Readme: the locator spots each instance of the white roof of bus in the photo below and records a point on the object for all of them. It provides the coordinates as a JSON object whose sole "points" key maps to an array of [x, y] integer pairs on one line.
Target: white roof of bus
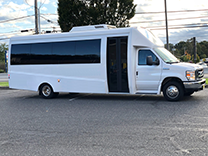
{"points": [[139, 36]]}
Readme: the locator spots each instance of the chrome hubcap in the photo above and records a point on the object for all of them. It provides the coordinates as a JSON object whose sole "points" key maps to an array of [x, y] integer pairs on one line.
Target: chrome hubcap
{"points": [[46, 90], [172, 92]]}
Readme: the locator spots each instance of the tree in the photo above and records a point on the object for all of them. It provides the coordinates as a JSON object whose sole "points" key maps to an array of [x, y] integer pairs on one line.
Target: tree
{"points": [[90, 12], [71, 13], [197, 58], [186, 57], [3, 48], [180, 47], [203, 48]]}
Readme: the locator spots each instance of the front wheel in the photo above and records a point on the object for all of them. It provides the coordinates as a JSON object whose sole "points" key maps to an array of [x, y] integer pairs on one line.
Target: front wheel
{"points": [[46, 91], [173, 91], [189, 93]]}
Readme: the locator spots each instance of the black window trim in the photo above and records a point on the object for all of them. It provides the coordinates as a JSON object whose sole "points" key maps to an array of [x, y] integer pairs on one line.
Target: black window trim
{"points": [[138, 56]]}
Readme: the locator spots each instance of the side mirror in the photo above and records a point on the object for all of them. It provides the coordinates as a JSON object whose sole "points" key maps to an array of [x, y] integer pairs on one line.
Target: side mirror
{"points": [[149, 60], [157, 62]]}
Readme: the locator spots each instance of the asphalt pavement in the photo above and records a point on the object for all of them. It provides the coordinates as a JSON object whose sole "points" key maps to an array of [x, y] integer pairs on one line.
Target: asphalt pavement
{"points": [[3, 77], [94, 124], [102, 125]]}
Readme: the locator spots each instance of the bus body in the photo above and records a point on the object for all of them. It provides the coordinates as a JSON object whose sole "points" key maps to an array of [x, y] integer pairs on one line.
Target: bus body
{"points": [[100, 59]]}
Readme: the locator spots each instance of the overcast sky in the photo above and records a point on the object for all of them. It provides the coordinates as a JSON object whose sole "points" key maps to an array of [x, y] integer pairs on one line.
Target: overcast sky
{"points": [[147, 16]]}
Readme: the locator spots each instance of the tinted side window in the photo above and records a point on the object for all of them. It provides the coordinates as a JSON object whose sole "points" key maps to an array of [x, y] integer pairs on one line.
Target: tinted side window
{"points": [[143, 55], [63, 52], [20, 54], [41, 53], [88, 51]]}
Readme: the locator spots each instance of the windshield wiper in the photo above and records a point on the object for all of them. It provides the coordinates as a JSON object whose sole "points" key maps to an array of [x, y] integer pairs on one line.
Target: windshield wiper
{"points": [[171, 62], [175, 62]]}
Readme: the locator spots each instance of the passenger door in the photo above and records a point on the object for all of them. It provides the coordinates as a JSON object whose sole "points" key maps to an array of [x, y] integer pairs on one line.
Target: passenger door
{"points": [[117, 64], [147, 76]]}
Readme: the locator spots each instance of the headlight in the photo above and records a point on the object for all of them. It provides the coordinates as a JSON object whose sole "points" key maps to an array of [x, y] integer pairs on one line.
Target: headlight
{"points": [[190, 75]]}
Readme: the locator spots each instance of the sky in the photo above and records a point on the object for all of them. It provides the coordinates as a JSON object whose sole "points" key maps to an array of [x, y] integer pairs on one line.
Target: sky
{"points": [[18, 15]]}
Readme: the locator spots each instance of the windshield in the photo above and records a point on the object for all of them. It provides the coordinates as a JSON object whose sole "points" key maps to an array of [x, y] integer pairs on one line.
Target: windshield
{"points": [[166, 55]]}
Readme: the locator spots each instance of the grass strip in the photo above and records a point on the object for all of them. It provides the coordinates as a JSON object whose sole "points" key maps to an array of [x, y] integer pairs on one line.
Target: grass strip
{"points": [[4, 84]]}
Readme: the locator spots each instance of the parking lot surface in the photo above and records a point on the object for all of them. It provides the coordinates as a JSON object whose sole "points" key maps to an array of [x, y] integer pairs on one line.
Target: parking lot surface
{"points": [[95, 124]]}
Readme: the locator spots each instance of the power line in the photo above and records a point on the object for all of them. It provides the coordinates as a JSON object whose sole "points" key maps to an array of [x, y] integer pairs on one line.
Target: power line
{"points": [[14, 19], [28, 3], [9, 32], [175, 19], [41, 4], [159, 12], [49, 20], [180, 27], [48, 14], [199, 24]]}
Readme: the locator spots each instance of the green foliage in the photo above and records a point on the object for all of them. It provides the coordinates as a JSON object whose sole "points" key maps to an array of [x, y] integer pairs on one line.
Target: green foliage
{"points": [[197, 58], [1, 71], [71, 13], [90, 12], [3, 48], [186, 58], [184, 48], [202, 49], [180, 47]]}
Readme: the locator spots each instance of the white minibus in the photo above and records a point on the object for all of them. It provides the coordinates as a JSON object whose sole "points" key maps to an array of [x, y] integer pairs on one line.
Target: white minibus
{"points": [[100, 59]]}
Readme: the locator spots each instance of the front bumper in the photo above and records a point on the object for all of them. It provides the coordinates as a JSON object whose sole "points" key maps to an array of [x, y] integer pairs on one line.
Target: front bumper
{"points": [[196, 85]]}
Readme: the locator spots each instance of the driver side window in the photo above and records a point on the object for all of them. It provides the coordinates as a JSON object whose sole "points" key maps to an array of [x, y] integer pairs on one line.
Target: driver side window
{"points": [[142, 55]]}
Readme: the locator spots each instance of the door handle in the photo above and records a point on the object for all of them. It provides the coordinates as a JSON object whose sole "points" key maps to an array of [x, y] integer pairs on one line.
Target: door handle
{"points": [[137, 73]]}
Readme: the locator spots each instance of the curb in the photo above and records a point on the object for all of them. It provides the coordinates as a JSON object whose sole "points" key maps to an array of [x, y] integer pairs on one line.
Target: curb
{"points": [[4, 88]]}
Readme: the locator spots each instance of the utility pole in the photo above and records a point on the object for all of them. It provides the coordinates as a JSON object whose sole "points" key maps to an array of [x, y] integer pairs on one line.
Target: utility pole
{"points": [[195, 51], [36, 17], [166, 21]]}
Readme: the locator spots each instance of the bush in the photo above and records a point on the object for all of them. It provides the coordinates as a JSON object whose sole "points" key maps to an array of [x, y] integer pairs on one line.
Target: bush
{"points": [[2, 67]]}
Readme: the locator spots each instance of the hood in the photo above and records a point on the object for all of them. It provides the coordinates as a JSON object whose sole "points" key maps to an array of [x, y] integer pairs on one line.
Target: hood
{"points": [[187, 66]]}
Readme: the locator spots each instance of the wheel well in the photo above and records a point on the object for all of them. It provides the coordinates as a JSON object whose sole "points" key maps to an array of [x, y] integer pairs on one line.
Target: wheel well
{"points": [[166, 80], [42, 85]]}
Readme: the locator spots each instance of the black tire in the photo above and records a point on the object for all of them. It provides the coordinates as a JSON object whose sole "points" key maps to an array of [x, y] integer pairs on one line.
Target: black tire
{"points": [[189, 93], [173, 91], [46, 91], [56, 94]]}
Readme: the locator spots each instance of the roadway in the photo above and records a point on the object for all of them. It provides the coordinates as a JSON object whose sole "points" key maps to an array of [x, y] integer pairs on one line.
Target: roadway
{"points": [[3, 77], [94, 124]]}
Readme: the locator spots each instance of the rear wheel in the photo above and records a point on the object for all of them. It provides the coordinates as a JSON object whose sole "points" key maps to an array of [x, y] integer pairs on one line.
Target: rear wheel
{"points": [[46, 91], [173, 91]]}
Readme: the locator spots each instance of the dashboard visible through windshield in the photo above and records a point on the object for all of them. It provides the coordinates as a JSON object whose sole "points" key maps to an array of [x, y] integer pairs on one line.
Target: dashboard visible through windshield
{"points": [[167, 56]]}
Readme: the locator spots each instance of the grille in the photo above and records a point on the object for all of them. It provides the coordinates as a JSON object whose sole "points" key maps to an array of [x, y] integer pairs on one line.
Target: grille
{"points": [[199, 74]]}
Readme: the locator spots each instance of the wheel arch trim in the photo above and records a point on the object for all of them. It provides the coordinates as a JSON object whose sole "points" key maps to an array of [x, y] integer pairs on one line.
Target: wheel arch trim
{"points": [[168, 79]]}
